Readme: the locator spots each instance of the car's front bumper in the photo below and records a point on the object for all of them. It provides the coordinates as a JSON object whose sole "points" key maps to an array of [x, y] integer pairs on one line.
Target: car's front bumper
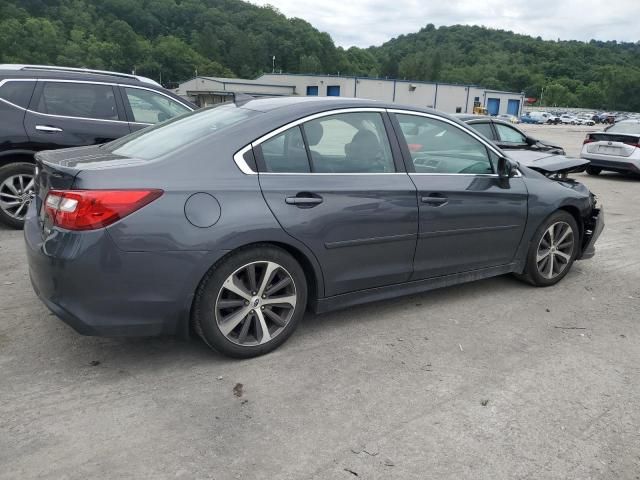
{"points": [[593, 228]]}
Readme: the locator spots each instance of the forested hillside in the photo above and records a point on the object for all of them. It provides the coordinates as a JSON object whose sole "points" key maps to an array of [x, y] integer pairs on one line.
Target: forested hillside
{"points": [[171, 39]]}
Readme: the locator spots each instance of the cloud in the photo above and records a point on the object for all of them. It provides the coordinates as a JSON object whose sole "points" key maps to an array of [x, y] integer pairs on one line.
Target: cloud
{"points": [[372, 22]]}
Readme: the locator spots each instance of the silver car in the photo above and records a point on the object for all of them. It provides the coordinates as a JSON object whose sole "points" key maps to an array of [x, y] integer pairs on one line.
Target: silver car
{"points": [[617, 148]]}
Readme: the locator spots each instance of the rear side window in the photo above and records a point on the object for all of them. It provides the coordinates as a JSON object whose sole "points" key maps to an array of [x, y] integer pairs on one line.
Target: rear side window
{"points": [[152, 107], [439, 147], [349, 143], [85, 100], [17, 92], [286, 153], [484, 129]]}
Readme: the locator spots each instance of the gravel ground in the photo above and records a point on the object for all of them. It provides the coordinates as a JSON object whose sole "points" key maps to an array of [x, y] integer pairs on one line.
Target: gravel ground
{"points": [[491, 380]]}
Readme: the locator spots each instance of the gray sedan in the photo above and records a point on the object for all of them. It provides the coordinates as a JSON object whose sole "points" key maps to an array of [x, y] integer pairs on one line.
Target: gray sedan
{"points": [[232, 221]]}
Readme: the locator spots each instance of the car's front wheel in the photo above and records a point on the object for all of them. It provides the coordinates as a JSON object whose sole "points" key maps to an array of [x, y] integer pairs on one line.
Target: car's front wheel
{"points": [[16, 192], [552, 250], [250, 302]]}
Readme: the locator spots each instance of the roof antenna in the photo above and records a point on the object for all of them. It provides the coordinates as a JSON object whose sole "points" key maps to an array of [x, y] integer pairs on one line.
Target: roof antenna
{"points": [[241, 98]]}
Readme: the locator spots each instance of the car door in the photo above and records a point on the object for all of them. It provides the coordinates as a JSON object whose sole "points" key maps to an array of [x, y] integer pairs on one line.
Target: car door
{"points": [[337, 183], [72, 113], [469, 218], [145, 107]]}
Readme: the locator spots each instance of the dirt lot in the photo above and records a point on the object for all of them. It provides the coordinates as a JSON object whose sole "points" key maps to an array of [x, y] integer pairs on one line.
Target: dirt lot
{"points": [[491, 380]]}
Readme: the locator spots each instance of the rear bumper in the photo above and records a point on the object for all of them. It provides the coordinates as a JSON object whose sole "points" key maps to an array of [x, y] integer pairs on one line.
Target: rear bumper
{"points": [[86, 281], [593, 229], [620, 164]]}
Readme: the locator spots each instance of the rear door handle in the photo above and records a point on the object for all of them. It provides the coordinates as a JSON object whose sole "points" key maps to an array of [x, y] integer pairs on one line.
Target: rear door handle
{"points": [[48, 129], [434, 200], [306, 201]]}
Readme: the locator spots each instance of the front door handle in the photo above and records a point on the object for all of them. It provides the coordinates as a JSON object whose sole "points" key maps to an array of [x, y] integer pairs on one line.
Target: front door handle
{"points": [[304, 200], [48, 129], [435, 200]]}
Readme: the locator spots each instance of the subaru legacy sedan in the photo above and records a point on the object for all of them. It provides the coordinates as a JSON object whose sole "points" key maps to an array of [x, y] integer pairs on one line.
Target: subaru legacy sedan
{"points": [[232, 221]]}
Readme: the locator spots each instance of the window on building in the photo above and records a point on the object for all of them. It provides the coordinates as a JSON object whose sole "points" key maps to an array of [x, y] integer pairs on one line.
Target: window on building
{"points": [[439, 147], [71, 99], [312, 91]]}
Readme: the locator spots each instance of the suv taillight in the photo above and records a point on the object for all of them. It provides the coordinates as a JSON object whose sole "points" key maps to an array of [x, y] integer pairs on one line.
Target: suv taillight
{"points": [[589, 139], [92, 209]]}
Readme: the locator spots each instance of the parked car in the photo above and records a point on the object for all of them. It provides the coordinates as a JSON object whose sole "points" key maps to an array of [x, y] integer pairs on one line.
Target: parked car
{"points": [[529, 119], [45, 107], [508, 118], [615, 149], [235, 219], [508, 136], [546, 117]]}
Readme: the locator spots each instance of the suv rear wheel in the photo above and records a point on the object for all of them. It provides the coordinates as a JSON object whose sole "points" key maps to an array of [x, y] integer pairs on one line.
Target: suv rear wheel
{"points": [[16, 192], [250, 302]]}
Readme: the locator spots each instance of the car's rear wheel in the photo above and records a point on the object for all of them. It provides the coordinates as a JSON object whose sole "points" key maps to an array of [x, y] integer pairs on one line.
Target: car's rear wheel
{"points": [[552, 250], [16, 192], [250, 302], [594, 170]]}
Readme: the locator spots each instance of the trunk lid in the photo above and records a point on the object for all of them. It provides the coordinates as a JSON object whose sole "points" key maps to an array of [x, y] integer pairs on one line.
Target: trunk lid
{"points": [[58, 170], [617, 144]]}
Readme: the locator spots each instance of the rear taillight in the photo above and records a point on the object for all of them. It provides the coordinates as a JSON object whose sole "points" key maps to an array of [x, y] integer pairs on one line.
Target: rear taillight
{"points": [[589, 139], [91, 209]]}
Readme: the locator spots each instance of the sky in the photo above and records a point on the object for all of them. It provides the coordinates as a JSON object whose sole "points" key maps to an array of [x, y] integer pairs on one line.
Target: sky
{"points": [[363, 23]]}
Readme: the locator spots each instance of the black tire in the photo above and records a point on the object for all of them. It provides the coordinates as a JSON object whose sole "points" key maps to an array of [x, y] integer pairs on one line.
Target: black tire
{"points": [[531, 273], [7, 171], [205, 309], [594, 170]]}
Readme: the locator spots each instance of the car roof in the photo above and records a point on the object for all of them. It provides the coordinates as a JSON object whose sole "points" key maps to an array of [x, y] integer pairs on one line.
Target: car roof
{"points": [[69, 73]]}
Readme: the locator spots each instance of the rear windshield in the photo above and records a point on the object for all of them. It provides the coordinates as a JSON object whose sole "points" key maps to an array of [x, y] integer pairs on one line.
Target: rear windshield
{"points": [[159, 140], [631, 127]]}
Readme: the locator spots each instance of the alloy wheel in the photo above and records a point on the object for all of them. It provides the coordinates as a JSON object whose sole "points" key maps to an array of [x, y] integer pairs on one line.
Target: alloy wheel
{"points": [[16, 193], [555, 250], [255, 303]]}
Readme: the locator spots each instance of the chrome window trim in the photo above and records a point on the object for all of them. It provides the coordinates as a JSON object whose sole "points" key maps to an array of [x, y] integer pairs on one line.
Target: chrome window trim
{"points": [[56, 80], [244, 167], [238, 157]]}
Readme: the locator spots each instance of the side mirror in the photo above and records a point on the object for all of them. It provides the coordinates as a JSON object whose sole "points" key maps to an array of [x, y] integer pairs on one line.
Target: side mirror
{"points": [[506, 169]]}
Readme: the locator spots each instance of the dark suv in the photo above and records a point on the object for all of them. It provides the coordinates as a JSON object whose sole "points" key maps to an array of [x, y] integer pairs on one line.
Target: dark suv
{"points": [[45, 107]]}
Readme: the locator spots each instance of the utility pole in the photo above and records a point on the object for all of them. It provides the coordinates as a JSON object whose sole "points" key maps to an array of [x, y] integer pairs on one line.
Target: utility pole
{"points": [[541, 95], [273, 64]]}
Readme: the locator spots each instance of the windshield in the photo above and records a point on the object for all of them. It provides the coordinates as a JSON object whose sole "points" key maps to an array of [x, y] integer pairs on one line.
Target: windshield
{"points": [[630, 127], [159, 140]]}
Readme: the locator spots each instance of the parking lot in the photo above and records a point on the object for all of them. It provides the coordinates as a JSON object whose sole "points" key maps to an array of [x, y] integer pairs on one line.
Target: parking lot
{"points": [[488, 380]]}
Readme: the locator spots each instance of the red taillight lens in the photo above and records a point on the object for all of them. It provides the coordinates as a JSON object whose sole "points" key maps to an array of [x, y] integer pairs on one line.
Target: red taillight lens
{"points": [[588, 140], [91, 209]]}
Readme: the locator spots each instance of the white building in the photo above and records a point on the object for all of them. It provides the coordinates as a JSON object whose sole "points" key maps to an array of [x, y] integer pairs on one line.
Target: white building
{"points": [[446, 97]]}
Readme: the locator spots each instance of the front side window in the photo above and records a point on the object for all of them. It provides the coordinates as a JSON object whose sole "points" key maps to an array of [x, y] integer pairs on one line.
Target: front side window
{"points": [[349, 143], [152, 107], [510, 135], [286, 153], [85, 100], [439, 147], [17, 92]]}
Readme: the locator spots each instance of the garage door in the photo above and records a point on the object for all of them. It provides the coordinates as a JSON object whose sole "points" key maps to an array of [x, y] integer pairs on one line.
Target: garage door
{"points": [[513, 107], [493, 106]]}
